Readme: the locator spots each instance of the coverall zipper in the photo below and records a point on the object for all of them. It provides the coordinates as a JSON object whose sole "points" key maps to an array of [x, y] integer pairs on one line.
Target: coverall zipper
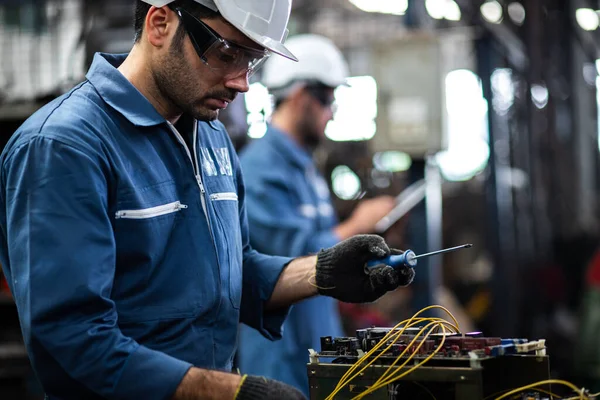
{"points": [[197, 174]]}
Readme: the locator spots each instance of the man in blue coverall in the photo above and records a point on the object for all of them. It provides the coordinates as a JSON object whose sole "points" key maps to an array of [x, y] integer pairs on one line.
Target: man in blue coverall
{"points": [[124, 232], [289, 205]]}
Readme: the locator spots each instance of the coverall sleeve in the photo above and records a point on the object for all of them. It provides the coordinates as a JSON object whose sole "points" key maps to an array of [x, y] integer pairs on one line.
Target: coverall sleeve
{"points": [[62, 262], [261, 273], [277, 224]]}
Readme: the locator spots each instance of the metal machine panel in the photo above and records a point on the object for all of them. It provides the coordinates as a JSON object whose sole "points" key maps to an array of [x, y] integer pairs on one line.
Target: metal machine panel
{"points": [[450, 381], [410, 118]]}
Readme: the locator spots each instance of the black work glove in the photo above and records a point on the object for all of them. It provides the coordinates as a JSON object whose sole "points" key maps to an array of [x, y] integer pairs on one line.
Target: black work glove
{"points": [[342, 272], [261, 388]]}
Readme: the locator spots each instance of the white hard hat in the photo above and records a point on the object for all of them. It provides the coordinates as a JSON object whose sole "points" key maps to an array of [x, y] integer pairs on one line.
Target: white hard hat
{"points": [[263, 21], [319, 60]]}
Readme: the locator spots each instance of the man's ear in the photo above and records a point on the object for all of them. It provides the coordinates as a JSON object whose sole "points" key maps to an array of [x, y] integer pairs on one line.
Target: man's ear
{"points": [[161, 23]]}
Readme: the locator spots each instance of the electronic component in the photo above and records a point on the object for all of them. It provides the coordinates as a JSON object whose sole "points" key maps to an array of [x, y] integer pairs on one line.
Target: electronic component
{"points": [[466, 366]]}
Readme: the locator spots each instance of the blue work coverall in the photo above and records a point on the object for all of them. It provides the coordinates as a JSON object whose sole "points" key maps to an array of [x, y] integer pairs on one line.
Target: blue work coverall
{"points": [[124, 248], [290, 214]]}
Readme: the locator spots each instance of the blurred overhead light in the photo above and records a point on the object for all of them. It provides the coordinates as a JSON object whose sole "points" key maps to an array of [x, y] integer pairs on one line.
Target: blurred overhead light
{"points": [[440, 9], [452, 11], [392, 161], [512, 177], [435, 8], [587, 19], [259, 108], [503, 90], [598, 66], [345, 183], [257, 129], [356, 111], [539, 95], [516, 12], [468, 151], [396, 7], [491, 11]]}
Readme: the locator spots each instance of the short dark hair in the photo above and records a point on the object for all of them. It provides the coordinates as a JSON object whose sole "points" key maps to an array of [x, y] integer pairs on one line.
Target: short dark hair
{"points": [[191, 6]]}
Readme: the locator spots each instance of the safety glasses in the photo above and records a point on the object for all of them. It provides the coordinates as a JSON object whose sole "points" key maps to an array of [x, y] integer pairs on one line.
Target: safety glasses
{"points": [[323, 94], [223, 57]]}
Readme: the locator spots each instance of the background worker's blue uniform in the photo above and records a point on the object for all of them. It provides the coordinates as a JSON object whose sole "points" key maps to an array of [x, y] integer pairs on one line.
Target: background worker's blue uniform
{"points": [[290, 213], [123, 251]]}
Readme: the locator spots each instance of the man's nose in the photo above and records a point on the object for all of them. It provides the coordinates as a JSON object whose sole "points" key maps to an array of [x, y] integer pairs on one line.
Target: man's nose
{"points": [[239, 83]]}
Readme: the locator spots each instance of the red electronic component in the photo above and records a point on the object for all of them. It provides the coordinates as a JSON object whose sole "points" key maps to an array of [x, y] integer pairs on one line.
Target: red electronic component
{"points": [[469, 344]]}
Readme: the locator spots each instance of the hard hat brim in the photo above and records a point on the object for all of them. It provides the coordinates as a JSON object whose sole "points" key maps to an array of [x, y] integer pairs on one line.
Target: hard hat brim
{"points": [[271, 45], [158, 3]]}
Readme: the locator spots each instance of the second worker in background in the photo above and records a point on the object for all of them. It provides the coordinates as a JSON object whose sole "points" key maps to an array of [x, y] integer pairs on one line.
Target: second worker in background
{"points": [[289, 206]]}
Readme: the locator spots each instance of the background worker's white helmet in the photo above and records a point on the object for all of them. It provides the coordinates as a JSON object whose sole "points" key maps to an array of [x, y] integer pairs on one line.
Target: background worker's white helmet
{"points": [[319, 58], [263, 21]]}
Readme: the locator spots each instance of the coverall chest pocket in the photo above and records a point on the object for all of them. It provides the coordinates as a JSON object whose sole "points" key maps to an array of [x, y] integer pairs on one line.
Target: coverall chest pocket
{"points": [[145, 219], [150, 235], [226, 208]]}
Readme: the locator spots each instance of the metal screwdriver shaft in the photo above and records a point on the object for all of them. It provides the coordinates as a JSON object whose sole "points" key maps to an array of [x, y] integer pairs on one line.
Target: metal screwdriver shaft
{"points": [[464, 246], [409, 258]]}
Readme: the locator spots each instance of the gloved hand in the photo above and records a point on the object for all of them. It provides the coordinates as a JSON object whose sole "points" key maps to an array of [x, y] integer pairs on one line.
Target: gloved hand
{"points": [[261, 388], [342, 272]]}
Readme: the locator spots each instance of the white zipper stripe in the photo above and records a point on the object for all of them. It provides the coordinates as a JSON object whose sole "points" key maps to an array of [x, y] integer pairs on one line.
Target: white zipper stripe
{"points": [[194, 164], [196, 169], [197, 164], [180, 139], [151, 212], [224, 196]]}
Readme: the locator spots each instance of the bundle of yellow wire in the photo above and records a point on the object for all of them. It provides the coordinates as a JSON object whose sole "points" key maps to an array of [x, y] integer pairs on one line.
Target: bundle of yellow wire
{"points": [[431, 325], [389, 376]]}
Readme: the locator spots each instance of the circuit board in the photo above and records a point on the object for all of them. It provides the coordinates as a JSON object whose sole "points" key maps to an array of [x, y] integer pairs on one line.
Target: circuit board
{"points": [[466, 366], [456, 345]]}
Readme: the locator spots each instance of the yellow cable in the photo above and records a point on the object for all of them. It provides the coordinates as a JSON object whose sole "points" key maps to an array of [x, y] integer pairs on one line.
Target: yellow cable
{"points": [[440, 346], [390, 376], [395, 378], [379, 383], [552, 395], [549, 381], [423, 340], [536, 390], [407, 323], [343, 382], [381, 342], [389, 370], [392, 332]]}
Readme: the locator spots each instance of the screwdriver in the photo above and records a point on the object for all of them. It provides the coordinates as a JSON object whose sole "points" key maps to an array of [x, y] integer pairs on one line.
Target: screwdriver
{"points": [[409, 258]]}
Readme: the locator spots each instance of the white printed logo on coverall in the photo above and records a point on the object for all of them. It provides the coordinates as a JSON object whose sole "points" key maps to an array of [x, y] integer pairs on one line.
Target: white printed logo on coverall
{"points": [[222, 161]]}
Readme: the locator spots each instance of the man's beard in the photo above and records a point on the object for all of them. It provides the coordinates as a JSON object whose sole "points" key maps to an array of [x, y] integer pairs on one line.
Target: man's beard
{"points": [[174, 81], [311, 136]]}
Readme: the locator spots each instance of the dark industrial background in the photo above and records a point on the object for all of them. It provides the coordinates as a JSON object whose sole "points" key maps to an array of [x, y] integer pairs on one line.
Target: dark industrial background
{"points": [[530, 209]]}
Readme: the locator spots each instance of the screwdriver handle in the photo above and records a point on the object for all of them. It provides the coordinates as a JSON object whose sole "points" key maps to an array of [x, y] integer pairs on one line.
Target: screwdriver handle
{"points": [[408, 258]]}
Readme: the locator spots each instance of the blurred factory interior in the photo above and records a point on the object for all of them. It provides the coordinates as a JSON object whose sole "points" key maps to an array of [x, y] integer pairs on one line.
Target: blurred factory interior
{"points": [[485, 110]]}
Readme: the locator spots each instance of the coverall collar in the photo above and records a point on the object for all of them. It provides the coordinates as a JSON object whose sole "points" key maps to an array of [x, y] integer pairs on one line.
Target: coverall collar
{"points": [[119, 93], [291, 150]]}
